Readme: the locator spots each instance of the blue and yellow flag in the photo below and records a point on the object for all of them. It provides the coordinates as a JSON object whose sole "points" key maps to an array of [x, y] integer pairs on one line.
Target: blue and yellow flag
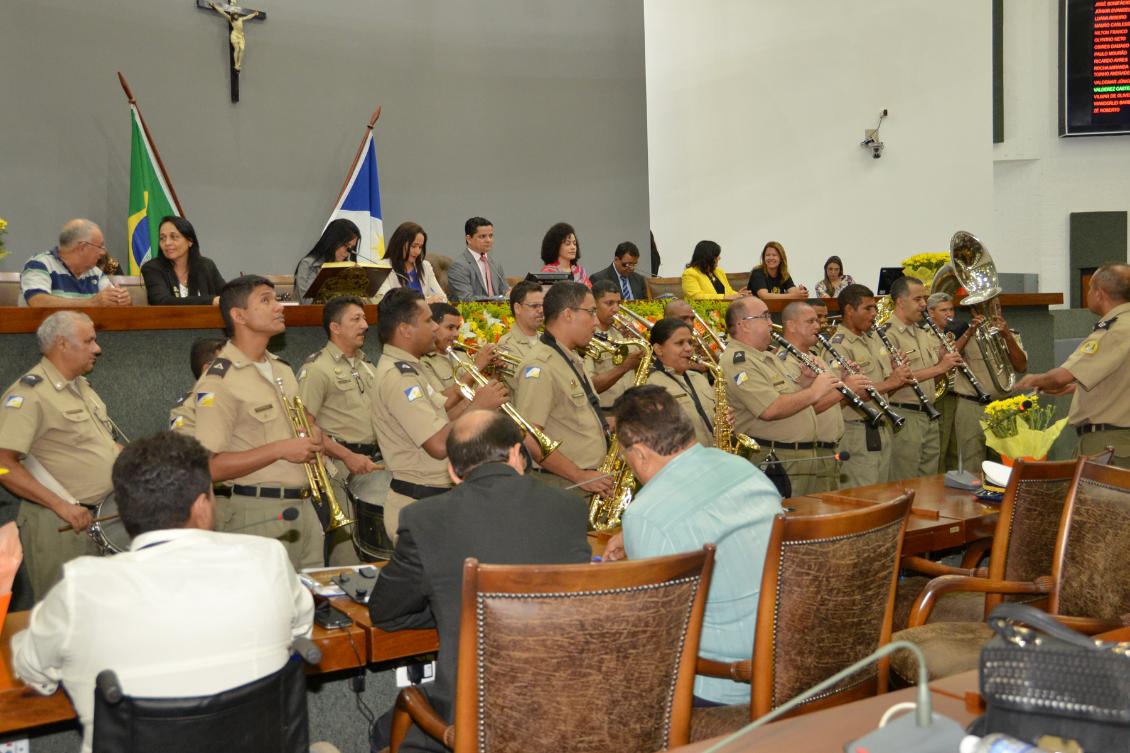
{"points": [[149, 198], [361, 203]]}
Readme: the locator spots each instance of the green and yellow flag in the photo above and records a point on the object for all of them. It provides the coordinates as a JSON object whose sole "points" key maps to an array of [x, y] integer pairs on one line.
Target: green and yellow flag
{"points": [[149, 198]]}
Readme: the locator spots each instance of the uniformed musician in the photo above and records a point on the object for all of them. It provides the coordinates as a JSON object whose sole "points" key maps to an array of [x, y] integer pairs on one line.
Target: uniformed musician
{"points": [[436, 364], [868, 447], [242, 417], [182, 417], [917, 444], [337, 385], [679, 309], [526, 304], [556, 395], [672, 341], [1096, 374], [53, 421], [409, 413], [768, 404], [940, 308], [610, 379]]}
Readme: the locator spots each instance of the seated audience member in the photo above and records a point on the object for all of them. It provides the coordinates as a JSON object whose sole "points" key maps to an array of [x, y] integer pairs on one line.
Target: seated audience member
{"points": [[186, 612], [703, 279], [476, 274], [338, 243], [834, 279], [182, 418], [179, 274], [68, 275], [407, 252], [561, 252], [622, 273], [496, 514], [692, 496], [770, 279]]}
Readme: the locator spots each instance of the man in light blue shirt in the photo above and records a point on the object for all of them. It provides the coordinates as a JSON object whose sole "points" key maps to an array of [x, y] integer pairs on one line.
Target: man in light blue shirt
{"points": [[694, 495]]}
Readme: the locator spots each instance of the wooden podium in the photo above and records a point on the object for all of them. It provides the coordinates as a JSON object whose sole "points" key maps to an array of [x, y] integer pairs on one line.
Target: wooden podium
{"points": [[338, 278]]}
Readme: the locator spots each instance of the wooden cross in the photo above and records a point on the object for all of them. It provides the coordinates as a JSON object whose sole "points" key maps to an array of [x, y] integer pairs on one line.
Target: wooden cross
{"points": [[237, 40]]}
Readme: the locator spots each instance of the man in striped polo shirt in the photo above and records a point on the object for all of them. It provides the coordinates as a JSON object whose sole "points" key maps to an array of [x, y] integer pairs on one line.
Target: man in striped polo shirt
{"points": [[68, 275]]}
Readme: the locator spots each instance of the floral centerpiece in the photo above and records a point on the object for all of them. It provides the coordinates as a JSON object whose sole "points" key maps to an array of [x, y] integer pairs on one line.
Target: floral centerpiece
{"points": [[3, 229], [925, 266], [1020, 427]]}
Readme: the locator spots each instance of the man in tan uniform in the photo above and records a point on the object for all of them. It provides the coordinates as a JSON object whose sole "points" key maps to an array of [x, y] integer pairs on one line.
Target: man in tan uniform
{"points": [[556, 395], [610, 379], [679, 309], [940, 308], [337, 385], [526, 304], [917, 444], [436, 365], [52, 415], [409, 415], [768, 405], [182, 417], [868, 448], [242, 417], [1096, 373]]}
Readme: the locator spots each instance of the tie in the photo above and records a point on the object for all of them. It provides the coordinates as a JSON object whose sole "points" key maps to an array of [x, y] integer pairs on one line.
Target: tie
{"points": [[625, 289], [486, 274]]}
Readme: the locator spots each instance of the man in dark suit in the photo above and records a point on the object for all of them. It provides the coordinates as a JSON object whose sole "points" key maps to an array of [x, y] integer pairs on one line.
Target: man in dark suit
{"points": [[496, 514], [622, 273], [475, 273]]}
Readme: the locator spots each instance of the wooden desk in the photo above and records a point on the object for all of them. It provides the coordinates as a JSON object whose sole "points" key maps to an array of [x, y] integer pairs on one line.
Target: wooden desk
{"points": [[136, 318], [20, 706]]}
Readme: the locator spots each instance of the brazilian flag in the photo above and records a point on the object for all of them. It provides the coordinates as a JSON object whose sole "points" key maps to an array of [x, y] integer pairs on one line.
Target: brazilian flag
{"points": [[149, 198]]}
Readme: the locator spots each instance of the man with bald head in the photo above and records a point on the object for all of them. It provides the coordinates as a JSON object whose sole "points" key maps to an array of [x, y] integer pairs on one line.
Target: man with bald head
{"points": [[497, 514], [677, 308], [1095, 374], [68, 275]]}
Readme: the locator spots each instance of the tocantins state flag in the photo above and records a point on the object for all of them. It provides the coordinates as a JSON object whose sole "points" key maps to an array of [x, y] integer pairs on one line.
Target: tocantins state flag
{"points": [[149, 198]]}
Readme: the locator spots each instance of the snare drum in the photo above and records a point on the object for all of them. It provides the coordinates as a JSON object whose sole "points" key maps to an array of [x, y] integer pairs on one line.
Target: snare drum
{"points": [[110, 535], [369, 535]]}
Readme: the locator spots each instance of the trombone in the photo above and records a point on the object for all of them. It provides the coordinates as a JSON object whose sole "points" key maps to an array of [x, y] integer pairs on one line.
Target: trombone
{"points": [[316, 474]]}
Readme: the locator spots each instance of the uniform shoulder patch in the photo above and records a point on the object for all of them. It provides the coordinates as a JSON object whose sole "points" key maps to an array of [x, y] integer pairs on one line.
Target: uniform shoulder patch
{"points": [[1104, 325], [1090, 347], [531, 372], [31, 379], [406, 368], [837, 339], [219, 367], [313, 357], [739, 357]]}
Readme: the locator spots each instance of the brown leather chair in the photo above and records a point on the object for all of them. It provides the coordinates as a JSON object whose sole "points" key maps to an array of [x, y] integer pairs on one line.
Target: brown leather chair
{"points": [[827, 590], [1089, 583], [657, 286], [9, 288], [581, 658], [738, 280], [284, 286], [440, 265], [135, 286]]}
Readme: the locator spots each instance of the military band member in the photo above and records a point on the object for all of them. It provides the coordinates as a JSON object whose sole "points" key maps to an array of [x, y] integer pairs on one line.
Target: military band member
{"points": [[556, 395], [918, 443], [1096, 374], [242, 417], [940, 308], [868, 447], [436, 365], [51, 417], [409, 414], [672, 341], [610, 379], [337, 385], [679, 309], [182, 417], [768, 404], [526, 304]]}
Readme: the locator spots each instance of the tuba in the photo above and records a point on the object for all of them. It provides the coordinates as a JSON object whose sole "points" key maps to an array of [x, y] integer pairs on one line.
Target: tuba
{"points": [[316, 475], [974, 269]]}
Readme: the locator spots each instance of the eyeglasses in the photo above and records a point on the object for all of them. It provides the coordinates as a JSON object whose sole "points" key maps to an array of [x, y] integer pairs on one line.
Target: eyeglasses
{"points": [[534, 306], [763, 315], [94, 245], [592, 311]]}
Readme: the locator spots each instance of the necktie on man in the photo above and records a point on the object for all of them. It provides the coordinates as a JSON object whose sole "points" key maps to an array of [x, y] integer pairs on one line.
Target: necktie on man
{"points": [[486, 274], [625, 289]]}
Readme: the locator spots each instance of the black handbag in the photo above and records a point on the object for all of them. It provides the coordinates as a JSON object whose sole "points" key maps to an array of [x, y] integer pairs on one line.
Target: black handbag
{"points": [[1039, 678]]}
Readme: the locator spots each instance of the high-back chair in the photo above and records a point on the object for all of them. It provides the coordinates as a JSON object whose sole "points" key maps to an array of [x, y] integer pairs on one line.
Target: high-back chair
{"points": [[657, 286], [581, 658], [827, 591]]}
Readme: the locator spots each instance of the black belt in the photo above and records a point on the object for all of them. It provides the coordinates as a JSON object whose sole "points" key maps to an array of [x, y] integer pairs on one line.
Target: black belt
{"points": [[417, 491], [795, 445], [912, 406], [369, 449], [1093, 428], [271, 492]]}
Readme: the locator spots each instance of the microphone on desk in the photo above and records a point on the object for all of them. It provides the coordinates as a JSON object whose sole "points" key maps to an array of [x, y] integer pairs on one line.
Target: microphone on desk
{"points": [[290, 513]]}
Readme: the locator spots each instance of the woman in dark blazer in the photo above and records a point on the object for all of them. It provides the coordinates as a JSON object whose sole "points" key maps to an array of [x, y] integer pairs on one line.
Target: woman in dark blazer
{"points": [[179, 275]]}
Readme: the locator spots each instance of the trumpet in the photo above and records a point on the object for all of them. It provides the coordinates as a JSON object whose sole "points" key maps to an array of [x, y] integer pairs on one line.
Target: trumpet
{"points": [[316, 474], [708, 332], [856, 401], [600, 346], [545, 444], [503, 361], [625, 317], [900, 360], [883, 406]]}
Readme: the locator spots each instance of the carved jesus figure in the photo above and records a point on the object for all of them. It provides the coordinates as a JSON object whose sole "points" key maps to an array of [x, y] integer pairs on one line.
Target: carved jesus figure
{"points": [[238, 38]]}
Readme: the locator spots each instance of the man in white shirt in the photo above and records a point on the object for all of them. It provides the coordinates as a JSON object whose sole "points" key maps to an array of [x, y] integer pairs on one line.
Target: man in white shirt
{"points": [[474, 273], [186, 612]]}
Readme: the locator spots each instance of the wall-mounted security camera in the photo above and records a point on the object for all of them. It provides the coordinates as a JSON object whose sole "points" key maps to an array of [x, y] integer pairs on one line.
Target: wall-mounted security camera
{"points": [[871, 138]]}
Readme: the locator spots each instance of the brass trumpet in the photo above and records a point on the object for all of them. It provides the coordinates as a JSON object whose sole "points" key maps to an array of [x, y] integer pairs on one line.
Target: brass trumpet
{"points": [[503, 361], [599, 347], [316, 474]]}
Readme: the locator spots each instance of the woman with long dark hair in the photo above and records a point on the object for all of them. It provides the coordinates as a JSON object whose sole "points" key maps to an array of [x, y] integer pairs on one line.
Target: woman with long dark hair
{"points": [[770, 279], [338, 243], [561, 252], [834, 279], [703, 279], [179, 274], [407, 252], [673, 344]]}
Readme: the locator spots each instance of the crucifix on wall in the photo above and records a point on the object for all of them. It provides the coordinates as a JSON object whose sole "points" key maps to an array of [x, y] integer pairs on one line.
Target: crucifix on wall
{"points": [[236, 17]]}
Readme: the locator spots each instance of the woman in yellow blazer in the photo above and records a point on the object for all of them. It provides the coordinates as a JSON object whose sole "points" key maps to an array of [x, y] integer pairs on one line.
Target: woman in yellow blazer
{"points": [[704, 280]]}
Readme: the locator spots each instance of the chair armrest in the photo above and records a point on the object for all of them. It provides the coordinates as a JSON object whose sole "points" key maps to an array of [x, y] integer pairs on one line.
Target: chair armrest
{"points": [[412, 706], [738, 671], [934, 569], [1091, 625], [926, 600]]}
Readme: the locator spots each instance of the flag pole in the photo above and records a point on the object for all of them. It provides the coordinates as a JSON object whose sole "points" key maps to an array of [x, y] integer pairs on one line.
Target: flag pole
{"points": [[152, 143], [360, 148]]}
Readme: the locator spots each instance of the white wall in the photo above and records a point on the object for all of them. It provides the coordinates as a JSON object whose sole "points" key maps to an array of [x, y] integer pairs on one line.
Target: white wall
{"points": [[755, 112], [1039, 178]]}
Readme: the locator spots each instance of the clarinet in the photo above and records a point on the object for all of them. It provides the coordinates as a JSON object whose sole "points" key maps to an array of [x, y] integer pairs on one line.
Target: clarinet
{"points": [[884, 407], [874, 416], [900, 359], [982, 397]]}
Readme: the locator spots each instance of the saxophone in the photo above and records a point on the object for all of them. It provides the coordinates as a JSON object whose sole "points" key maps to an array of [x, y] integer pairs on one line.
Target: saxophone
{"points": [[605, 509], [725, 438]]}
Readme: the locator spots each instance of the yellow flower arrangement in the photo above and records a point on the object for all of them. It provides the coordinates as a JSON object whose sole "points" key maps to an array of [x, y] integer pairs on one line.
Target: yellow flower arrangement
{"points": [[924, 266], [3, 229], [1021, 427]]}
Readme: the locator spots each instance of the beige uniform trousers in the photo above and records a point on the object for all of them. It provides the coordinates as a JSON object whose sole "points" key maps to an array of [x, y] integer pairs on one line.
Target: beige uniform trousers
{"points": [[302, 538], [915, 448], [45, 549], [863, 467]]}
